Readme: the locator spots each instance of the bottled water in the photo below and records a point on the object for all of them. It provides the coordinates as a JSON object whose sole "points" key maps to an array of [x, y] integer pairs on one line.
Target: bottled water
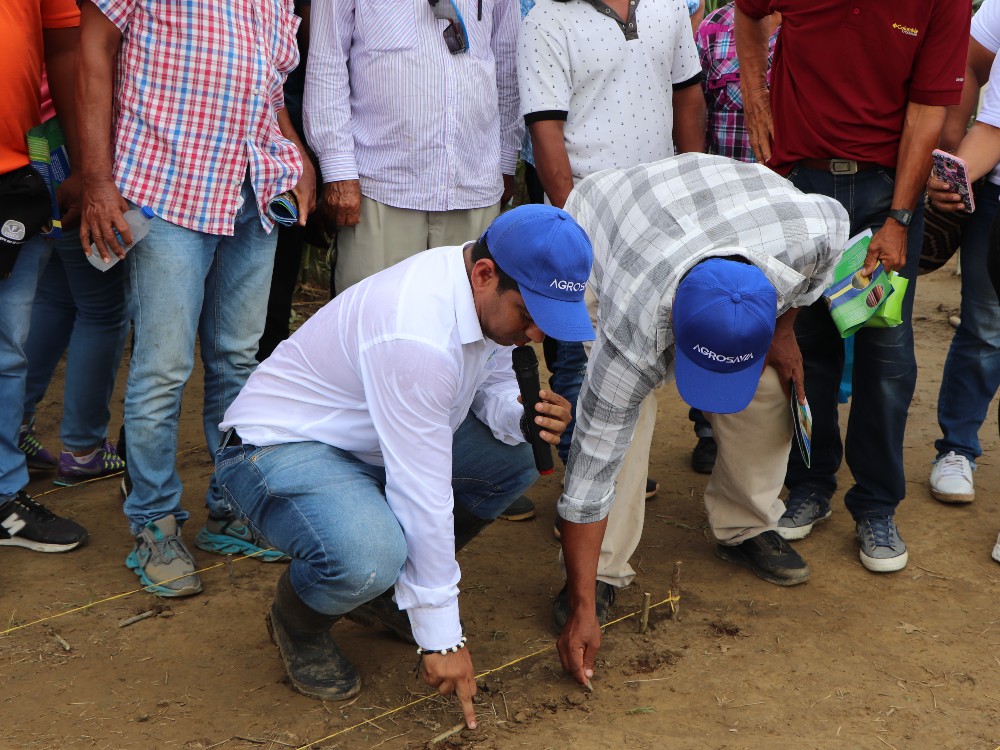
{"points": [[138, 221]]}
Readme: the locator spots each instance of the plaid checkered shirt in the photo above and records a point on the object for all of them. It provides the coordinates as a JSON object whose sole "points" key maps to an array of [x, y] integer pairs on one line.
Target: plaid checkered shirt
{"points": [[197, 92], [650, 225], [716, 42]]}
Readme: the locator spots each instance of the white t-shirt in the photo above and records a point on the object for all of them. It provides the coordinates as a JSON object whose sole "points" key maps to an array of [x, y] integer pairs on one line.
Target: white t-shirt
{"points": [[616, 93], [986, 25], [389, 371], [986, 31]]}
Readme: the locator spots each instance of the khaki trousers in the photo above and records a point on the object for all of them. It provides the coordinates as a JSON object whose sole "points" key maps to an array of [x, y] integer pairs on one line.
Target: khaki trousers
{"points": [[742, 494], [387, 235]]}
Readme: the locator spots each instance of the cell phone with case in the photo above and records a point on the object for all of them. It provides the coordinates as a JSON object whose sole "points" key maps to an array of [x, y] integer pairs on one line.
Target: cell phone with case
{"points": [[951, 169]]}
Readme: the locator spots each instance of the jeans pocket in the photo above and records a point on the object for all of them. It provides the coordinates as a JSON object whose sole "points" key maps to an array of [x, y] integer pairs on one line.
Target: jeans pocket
{"points": [[888, 176], [387, 25]]}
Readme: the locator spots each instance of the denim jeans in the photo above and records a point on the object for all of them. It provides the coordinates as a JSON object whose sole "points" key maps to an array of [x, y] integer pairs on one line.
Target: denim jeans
{"points": [[972, 369], [82, 309], [885, 369], [184, 284], [16, 295], [327, 509], [567, 361]]}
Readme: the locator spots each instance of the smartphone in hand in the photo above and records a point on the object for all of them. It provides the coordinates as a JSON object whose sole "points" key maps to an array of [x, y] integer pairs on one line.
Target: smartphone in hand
{"points": [[951, 169]]}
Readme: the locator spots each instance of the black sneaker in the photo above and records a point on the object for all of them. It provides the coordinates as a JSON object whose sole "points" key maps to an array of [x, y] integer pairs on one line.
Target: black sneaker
{"points": [[521, 509], [704, 454], [26, 523], [604, 599], [652, 487], [769, 556]]}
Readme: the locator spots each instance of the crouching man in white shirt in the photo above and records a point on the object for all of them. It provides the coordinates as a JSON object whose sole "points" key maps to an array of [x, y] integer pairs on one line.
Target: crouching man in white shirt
{"points": [[386, 433]]}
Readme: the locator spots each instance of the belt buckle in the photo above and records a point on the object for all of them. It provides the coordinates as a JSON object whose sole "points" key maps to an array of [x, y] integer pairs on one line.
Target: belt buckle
{"points": [[843, 166]]}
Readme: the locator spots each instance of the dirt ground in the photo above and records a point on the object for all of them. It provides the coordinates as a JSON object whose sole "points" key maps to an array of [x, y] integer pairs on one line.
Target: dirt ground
{"points": [[849, 660]]}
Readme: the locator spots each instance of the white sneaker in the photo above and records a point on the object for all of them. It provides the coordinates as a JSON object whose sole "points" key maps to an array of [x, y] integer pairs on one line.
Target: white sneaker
{"points": [[996, 550], [951, 479]]}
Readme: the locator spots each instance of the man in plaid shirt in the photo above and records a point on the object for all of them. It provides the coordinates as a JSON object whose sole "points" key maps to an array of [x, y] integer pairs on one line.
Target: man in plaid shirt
{"points": [[184, 113], [671, 300]]}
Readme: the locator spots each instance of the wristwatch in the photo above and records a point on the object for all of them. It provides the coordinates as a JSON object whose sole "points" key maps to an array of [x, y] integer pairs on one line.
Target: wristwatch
{"points": [[901, 215]]}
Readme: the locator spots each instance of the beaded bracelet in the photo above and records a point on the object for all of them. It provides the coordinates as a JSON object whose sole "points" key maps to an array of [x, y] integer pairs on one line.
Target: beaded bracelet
{"points": [[444, 651]]}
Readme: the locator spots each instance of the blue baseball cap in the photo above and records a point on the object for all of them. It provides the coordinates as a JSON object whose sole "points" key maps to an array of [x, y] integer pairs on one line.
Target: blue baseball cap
{"points": [[549, 256], [723, 316]]}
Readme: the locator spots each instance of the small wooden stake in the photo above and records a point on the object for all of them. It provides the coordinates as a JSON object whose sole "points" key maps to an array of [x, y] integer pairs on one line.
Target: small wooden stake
{"points": [[644, 618], [229, 567], [675, 591], [138, 618]]}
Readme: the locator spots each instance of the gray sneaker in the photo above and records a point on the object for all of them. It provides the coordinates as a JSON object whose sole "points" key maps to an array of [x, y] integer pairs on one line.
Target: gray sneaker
{"points": [[882, 549], [161, 560], [802, 512]]}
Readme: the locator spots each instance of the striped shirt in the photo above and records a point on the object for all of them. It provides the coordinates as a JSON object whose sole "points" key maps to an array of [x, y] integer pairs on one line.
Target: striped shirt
{"points": [[197, 92], [386, 103], [649, 225]]}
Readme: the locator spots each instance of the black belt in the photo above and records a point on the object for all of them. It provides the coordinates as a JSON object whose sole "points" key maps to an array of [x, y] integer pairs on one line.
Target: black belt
{"points": [[231, 439], [839, 166]]}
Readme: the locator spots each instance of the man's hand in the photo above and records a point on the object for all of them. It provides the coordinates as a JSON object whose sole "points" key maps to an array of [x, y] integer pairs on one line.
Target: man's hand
{"points": [[785, 357], [509, 188], [579, 643], [889, 246], [580, 639], [103, 212], [452, 673], [554, 416], [760, 127], [342, 202], [943, 197], [68, 195], [305, 190]]}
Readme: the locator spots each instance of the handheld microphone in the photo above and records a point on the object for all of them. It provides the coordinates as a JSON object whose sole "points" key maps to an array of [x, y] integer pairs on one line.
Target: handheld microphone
{"points": [[525, 365]]}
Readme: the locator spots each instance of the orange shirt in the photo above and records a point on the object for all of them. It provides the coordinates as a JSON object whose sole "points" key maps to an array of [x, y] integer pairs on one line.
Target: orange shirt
{"points": [[21, 24]]}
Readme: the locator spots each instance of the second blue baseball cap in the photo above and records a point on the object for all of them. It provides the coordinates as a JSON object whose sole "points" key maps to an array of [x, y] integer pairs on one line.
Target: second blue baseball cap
{"points": [[549, 256], [723, 317]]}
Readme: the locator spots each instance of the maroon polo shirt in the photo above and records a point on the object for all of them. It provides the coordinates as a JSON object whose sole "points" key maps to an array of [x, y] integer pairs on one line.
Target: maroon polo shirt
{"points": [[844, 71]]}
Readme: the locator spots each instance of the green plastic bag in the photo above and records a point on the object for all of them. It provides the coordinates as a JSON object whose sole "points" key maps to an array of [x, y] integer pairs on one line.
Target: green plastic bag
{"points": [[890, 314]]}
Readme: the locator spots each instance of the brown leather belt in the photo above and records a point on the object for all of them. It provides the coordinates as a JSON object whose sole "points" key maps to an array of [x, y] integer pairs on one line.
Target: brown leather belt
{"points": [[839, 166]]}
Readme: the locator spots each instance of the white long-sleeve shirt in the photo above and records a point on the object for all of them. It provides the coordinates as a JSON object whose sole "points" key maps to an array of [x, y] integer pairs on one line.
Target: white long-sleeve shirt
{"points": [[388, 371], [386, 103]]}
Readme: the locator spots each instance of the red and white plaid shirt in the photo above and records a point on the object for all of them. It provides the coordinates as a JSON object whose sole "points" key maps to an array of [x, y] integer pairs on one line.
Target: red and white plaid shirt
{"points": [[197, 93]]}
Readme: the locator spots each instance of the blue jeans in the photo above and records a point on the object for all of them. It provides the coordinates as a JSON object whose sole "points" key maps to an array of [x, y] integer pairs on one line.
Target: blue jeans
{"points": [[567, 361], [972, 369], [327, 509], [16, 295], [885, 369], [82, 309], [184, 284]]}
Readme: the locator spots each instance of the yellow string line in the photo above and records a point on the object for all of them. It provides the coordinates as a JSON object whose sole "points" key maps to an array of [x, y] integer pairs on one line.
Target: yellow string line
{"points": [[124, 594], [669, 600]]}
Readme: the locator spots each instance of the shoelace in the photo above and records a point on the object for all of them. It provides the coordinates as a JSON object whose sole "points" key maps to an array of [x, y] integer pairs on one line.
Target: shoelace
{"points": [[32, 508], [165, 548], [952, 465], [797, 505], [883, 532], [30, 442]]}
